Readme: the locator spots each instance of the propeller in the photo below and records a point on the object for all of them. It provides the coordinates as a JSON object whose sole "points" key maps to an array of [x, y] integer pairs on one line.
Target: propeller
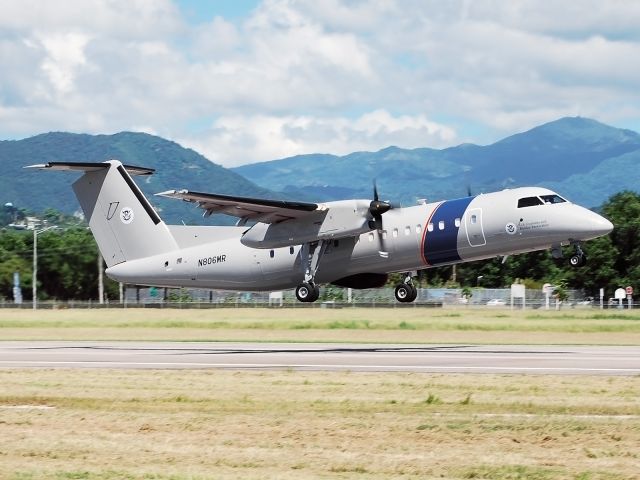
{"points": [[377, 208]]}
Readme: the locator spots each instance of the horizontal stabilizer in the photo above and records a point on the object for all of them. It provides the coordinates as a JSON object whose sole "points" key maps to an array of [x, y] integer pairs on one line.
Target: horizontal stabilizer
{"points": [[266, 211], [89, 167]]}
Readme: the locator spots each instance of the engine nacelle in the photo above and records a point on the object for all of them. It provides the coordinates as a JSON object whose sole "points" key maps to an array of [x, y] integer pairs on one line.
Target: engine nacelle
{"points": [[332, 220]]}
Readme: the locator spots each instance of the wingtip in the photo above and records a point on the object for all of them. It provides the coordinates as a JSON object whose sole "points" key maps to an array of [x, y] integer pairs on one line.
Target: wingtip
{"points": [[167, 193], [171, 193], [37, 166]]}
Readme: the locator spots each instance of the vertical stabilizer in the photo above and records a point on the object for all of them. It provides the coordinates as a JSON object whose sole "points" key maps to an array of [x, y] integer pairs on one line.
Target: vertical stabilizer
{"points": [[123, 222]]}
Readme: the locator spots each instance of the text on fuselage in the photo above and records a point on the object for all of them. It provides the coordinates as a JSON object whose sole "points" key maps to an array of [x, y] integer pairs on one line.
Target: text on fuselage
{"points": [[211, 260]]}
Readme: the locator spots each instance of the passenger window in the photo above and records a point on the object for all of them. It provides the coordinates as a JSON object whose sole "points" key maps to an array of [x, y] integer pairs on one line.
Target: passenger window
{"points": [[371, 237], [418, 228], [430, 227], [457, 222], [474, 219], [552, 199], [407, 230], [291, 250], [395, 233], [384, 234], [529, 202], [271, 253], [441, 225]]}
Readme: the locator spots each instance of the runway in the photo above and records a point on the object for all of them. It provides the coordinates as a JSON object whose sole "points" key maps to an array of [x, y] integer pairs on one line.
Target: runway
{"points": [[580, 360]]}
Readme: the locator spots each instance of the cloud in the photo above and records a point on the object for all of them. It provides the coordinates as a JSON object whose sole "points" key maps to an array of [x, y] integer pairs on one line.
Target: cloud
{"points": [[65, 53], [235, 140], [307, 76]]}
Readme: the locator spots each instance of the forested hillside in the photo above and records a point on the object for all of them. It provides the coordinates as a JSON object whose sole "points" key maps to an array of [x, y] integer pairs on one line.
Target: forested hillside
{"points": [[176, 167]]}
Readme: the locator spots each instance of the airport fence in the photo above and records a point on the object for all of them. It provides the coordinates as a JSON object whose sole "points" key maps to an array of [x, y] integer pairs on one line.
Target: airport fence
{"points": [[330, 297]]}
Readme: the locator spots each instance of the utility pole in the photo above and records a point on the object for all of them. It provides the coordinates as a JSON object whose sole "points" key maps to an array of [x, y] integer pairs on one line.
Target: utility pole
{"points": [[100, 281], [34, 278]]}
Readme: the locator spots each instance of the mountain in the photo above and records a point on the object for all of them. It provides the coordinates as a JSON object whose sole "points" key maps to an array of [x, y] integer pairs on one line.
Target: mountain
{"points": [[583, 159], [564, 154], [176, 167]]}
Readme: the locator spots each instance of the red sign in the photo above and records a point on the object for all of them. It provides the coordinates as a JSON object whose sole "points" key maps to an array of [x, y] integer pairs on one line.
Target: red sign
{"points": [[629, 290]]}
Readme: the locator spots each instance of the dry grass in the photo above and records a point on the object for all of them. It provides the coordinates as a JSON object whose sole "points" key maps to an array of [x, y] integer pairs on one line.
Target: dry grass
{"points": [[396, 325], [110, 424]]}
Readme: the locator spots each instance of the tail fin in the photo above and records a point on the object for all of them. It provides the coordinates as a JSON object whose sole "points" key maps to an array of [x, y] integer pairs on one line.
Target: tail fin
{"points": [[122, 220]]}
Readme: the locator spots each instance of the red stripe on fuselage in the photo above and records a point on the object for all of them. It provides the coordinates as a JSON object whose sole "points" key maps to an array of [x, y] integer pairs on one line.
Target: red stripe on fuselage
{"points": [[424, 235]]}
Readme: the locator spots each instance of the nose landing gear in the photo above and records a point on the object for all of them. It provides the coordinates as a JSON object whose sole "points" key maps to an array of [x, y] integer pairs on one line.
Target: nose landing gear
{"points": [[579, 258]]}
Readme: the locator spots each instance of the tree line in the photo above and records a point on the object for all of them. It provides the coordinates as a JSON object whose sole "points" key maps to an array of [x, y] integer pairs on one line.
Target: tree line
{"points": [[68, 261]]}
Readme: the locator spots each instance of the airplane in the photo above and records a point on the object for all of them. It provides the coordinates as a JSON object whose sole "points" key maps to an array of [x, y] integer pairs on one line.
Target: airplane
{"points": [[280, 244]]}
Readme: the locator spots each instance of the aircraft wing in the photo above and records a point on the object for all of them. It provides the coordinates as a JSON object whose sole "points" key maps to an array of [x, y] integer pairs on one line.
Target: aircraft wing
{"points": [[265, 211]]}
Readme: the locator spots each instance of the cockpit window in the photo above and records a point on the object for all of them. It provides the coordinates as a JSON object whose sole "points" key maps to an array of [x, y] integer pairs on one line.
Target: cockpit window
{"points": [[552, 199], [529, 202]]}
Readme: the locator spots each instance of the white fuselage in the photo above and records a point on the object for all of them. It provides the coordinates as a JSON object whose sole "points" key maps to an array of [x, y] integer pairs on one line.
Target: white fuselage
{"points": [[412, 238]]}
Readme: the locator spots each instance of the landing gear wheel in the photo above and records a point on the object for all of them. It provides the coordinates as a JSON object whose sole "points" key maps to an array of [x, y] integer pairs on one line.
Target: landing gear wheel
{"points": [[406, 292], [307, 292], [577, 260]]}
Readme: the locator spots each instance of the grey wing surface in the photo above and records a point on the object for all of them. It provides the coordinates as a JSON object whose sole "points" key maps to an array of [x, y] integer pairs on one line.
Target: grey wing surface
{"points": [[261, 210]]}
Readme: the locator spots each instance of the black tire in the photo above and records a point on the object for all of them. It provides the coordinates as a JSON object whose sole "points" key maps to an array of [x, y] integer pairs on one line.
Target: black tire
{"points": [[316, 292], [414, 293], [405, 293], [577, 260], [307, 292]]}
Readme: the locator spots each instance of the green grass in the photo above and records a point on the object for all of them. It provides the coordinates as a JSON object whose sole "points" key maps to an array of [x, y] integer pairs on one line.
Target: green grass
{"points": [[311, 325]]}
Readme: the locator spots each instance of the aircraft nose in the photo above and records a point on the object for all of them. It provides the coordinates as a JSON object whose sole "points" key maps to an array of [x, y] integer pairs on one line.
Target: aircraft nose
{"points": [[605, 226], [599, 225]]}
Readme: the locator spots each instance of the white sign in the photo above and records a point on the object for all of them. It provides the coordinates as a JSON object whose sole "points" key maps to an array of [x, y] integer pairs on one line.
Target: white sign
{"points": [[517, 290], [620, 294], [547, 289], [275, 298], [629, 290]]}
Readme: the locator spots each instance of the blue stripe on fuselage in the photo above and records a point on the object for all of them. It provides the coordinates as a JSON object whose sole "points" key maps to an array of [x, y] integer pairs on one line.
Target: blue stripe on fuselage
{"points": [[441, 246]]}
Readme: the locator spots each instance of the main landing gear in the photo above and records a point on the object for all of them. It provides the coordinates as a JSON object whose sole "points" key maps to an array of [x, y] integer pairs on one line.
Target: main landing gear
{"points": [[310, 254], [406, 292], [307, 292]]}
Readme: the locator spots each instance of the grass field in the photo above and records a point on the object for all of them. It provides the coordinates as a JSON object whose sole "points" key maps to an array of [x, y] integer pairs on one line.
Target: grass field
{"points": [[105, 424], [206, 424], [395, 325]]}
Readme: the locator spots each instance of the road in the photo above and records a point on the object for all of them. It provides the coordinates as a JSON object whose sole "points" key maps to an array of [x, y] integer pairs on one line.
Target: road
{"points": [[585, 360]]}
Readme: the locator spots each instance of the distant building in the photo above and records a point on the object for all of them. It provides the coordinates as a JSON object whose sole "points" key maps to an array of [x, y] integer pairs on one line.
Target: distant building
{"points": [[29, 223]]}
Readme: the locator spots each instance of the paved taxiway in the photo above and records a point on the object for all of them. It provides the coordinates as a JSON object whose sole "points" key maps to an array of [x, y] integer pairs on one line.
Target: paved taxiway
{"points": [[587, 360]]}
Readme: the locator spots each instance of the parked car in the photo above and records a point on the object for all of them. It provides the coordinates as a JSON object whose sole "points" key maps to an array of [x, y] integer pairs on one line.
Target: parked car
{"points": [[496, 302]]}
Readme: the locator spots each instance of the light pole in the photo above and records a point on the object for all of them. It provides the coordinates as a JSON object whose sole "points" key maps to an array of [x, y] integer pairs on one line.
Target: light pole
{"points": [[34, 279], [478, 280]]}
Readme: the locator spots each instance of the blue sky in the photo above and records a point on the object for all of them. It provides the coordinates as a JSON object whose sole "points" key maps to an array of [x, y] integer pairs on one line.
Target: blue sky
{"points": [[202, 11], [245, 81]]}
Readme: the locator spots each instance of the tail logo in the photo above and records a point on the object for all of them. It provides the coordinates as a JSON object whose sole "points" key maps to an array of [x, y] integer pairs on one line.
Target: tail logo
{"points": [[126, 215]]}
